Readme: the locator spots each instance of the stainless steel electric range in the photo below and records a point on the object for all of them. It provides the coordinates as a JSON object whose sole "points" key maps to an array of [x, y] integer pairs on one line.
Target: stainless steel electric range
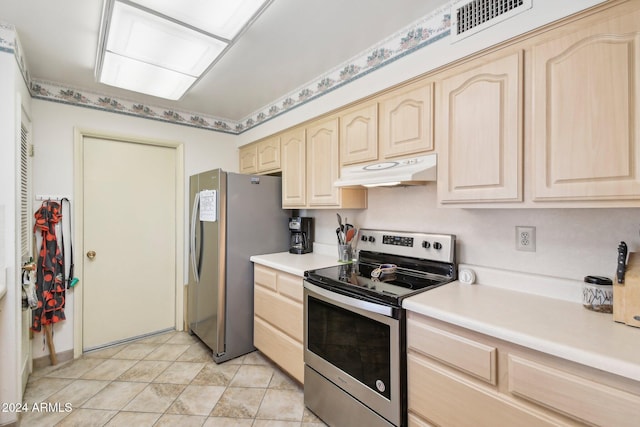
{"points": [[355, 327]]}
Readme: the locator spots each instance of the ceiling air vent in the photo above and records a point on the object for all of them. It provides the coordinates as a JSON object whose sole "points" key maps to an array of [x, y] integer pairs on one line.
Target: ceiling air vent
{"points": [[471, 16]]}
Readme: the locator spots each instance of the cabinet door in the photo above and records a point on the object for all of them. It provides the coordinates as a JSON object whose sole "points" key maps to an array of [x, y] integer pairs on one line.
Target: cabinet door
{"points": [[278, 318], [586, 112], [269, 154], [359, 134], [279, 347], [479, 133], [293, 153], [322, 163], [248, 159], [448, 399], [581, 398], [406, 121]]}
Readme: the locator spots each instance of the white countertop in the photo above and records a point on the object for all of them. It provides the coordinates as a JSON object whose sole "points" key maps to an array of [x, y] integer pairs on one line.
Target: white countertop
{"points": [[554, 326], [298, 264]]}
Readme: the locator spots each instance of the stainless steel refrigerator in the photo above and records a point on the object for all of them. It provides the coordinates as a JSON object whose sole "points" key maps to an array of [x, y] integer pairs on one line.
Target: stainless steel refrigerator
{"points": [[233, 217]]}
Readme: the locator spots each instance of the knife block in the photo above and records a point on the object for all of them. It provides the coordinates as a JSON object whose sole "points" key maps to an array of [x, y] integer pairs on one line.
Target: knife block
{"points": [[626, 296]]}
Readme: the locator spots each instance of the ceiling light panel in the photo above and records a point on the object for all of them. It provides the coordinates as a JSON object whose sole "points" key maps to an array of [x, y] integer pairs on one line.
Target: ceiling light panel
{"points": [[223, 18], [148, 38], [162, 47], [145, 78]]}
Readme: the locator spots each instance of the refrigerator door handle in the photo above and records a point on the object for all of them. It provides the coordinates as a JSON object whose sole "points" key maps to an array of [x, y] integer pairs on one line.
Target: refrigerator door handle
{"points": [[222, 270], [194, 217]]}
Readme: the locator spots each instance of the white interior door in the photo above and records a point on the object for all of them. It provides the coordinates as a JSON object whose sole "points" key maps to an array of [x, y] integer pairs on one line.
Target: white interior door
{"points": [[129, 240]]}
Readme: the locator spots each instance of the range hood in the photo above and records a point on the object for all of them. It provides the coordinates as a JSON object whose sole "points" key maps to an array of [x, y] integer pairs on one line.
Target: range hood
{"points": [[411, 171]]}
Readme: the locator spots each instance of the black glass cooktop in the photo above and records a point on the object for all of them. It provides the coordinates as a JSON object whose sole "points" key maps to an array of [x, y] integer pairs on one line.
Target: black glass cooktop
{"points": [[355, 280]]}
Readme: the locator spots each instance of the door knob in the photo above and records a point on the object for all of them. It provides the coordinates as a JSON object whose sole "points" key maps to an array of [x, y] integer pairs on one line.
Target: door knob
{"points": [[91, 254]]}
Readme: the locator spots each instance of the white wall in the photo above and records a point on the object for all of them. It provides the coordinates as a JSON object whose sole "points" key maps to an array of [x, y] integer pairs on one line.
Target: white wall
{"points": [[53, 133], [13, 92], [570, 243]]}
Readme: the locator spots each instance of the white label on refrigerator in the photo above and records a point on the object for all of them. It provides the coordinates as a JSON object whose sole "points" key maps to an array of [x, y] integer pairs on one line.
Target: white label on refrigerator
{"points": [[208, 205]]}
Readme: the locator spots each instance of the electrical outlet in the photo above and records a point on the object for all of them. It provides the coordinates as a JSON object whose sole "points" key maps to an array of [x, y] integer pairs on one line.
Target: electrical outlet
{"points": [[525, 238]]}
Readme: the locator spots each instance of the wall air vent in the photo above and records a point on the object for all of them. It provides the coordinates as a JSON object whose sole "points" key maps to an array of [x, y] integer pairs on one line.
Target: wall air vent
{"points": [[470, 16]]}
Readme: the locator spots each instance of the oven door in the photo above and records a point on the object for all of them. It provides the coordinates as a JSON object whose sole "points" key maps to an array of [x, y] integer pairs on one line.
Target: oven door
{"points": [[356, 345]]}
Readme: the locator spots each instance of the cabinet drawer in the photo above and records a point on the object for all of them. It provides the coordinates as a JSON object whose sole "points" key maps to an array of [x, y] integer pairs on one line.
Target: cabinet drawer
{"points": [[290, 286], [265, 276], [575, 396], [469, 356], [280, 312], [448, 400], [280, 348]]}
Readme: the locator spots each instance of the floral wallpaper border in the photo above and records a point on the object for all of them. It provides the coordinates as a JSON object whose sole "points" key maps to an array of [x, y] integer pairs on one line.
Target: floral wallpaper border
{"points": [[57, 93], [10, 43], [421, 33]]}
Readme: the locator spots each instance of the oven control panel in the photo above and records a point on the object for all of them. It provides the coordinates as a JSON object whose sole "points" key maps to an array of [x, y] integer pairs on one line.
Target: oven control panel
{"points": [[389, 239], [436, 247]]}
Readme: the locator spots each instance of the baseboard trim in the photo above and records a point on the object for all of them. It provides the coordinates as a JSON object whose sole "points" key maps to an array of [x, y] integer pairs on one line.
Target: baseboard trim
{"points": [[44, 361]]}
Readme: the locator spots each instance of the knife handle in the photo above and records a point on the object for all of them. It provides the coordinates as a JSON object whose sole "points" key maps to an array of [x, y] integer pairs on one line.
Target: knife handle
{"points": [[622, 262]]}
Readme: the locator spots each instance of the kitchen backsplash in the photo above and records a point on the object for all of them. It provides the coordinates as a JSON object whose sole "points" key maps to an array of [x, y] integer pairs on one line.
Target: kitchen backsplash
{"points": [[570, 243]]}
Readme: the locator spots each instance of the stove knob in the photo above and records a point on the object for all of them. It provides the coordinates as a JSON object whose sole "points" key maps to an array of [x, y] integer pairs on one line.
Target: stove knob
{"points": [[363, 238], [437, 246], [372, 239], [426, 244]]}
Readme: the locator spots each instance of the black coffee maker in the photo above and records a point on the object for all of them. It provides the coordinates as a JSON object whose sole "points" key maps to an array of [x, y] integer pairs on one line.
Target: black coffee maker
{"points": [[301, 241]]}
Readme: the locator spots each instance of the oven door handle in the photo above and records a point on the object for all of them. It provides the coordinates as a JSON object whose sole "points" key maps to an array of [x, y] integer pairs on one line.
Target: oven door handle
{"points": [[348, 301]]}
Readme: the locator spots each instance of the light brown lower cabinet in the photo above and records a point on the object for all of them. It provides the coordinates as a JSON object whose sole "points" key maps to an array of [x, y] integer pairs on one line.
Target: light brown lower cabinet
{"points": [[457, 377], [278, 319], [416, 421], [447, 399], [571, 394]]}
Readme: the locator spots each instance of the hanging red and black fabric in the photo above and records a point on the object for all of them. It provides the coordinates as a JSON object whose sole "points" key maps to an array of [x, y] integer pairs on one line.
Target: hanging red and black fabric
{"points": [[50, 286]]}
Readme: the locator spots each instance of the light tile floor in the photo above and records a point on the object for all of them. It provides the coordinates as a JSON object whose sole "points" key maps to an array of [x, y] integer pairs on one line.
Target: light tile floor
{"points": [[165, 380]]}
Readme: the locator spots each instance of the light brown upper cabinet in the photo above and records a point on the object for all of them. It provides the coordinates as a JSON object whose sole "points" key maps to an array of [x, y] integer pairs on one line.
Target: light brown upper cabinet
{"points": [[294, 174], [479, 131], [269, 154], [310, 167], [586, 109], [551, 119], [359, 134], [260, 157], [322, 165], [249, 159], [406, 120]]}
